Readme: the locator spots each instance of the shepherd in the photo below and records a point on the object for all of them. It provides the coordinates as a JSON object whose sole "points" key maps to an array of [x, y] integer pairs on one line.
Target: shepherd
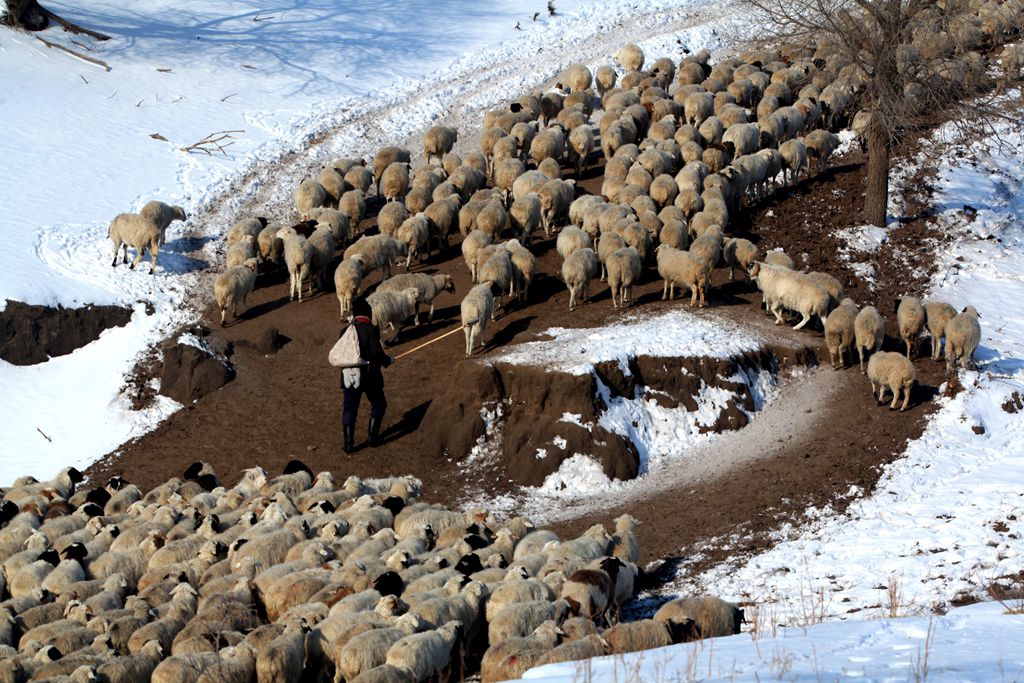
{"points": [[363, 376]]}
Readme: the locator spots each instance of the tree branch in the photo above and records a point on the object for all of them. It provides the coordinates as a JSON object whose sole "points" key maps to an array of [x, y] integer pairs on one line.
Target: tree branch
{"points": [[100, 62], [73, 27]]}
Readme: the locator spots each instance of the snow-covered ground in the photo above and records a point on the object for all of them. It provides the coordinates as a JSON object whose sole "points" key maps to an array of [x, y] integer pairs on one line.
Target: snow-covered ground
{"points": [[83, 144], [976, 643]]}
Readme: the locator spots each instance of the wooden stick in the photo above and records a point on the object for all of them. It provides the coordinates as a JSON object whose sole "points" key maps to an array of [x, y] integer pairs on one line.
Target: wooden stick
{"points": [[44, 435], [446, 334], [47, 43]]}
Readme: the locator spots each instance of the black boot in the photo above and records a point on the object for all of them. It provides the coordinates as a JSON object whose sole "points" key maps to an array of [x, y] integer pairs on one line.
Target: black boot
{"points": [[350, 437], [374, 432]]}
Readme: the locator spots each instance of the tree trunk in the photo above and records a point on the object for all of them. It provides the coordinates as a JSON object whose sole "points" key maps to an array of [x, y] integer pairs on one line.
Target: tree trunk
{"points": [[26, 14], [876, 198]]}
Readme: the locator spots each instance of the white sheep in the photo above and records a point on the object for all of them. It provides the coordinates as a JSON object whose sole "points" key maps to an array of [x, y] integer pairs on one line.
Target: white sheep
{"points": [[890, 370], [428, 286], [163, 215], [548, 144], [510, 658], [604, 79], [391, 309], [777, 257], [744, 138], [624, 268], [471, 246], [231, 288], [298, 258], [270, 245], [497, 269], [647, 634], [284, 657], [414, 233], [910, 317], [390, 218], [442, 218], [625, 543], [938, 314], [359, 178], [963, 334], [394, 182], [386, 156], [794, 160], [246, 226], [839, 331], [333, 183], [348, 278], [820, 146], [712, 616], [241, 251], [527, 215], [684, 268], [579, 268], [138, 232], [570, 239], [322, 244], [309, 195], [377, 251], [581, 145], [830, 284], [631, 57], [868, 332], [584, 648], [524, 266], [739, 253], [476, 309], [438, 141], [353, 205], [368, 650], [425, 655], [520, 619], [785, 288]]}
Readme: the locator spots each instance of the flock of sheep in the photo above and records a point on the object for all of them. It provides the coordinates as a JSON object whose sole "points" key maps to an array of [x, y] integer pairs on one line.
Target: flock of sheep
{"points": [[685, 145], [279, 578]]}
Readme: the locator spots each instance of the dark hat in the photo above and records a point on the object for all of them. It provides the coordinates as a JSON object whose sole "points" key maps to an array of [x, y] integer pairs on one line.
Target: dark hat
{"points": [[361, 307]]}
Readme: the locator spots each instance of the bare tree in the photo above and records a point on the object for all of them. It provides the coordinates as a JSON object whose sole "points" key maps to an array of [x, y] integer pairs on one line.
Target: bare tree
{"points": [[904, 61], [31, 16]]}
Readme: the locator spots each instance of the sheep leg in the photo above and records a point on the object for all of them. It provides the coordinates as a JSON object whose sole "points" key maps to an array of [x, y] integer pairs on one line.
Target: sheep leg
{"points": [[779, 320], [468, 329], [806, 319], [906, 398], [138, 258], [153, 251], [430, 316], [117, 248], [895, 389]]}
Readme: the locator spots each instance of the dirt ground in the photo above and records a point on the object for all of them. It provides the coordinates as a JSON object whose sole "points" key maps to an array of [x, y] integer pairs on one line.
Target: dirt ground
{"points": [[288, 404]]}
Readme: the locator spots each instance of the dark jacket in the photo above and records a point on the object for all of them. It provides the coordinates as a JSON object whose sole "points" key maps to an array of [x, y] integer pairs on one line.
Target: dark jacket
{"points": [[370, 347]]}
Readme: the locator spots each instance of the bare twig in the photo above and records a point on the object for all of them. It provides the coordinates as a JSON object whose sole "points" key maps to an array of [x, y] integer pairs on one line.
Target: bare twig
{"points": [[82, 45], [114, 95], [227, 96], [44, 435], [259, 18], [164, 71], [100, 62], [73, 27], [212, 142], [83, 78], [157, 136]]}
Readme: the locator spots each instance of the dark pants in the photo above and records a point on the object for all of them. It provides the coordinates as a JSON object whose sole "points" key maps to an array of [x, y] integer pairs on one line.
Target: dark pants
{"points": [[371, 384]]}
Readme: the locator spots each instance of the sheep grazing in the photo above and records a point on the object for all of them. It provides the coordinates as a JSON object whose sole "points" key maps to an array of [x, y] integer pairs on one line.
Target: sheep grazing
{"points": [[353, 205], [963, 334], [868, 332], [892, 371], [497, 269], [739, 253], [839, 331], [682, 268], [820, 146], [428, 286], [390, 218], [394, 183], [438, 141], [910, 316], [231, 288], [788, 289], [476, 309], [938, 314], [712, 617], [579, 268], [471, 246], [309, 195], [138, 232], [348, 278], [631, 57], [163, 215], [624, 268], [393, 308]]}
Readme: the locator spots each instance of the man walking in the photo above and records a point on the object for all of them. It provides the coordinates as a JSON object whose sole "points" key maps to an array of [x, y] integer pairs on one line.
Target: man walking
{"points": [[370, 379]]}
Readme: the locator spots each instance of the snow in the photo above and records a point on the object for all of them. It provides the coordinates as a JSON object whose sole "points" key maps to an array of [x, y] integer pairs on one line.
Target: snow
{"points": [[975, 643], [675, 333], [300, 82]]}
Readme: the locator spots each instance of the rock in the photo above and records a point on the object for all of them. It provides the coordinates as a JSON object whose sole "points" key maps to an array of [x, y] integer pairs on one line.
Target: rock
{"points": [[189, 373]]}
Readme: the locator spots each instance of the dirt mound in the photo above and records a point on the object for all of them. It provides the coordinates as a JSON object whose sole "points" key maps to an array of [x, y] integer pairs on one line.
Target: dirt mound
{"points": [[32, 334], [189, 373]]}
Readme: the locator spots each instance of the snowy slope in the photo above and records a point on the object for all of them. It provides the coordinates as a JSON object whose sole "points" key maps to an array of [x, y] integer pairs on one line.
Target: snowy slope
{"points": [[80, 139]]}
